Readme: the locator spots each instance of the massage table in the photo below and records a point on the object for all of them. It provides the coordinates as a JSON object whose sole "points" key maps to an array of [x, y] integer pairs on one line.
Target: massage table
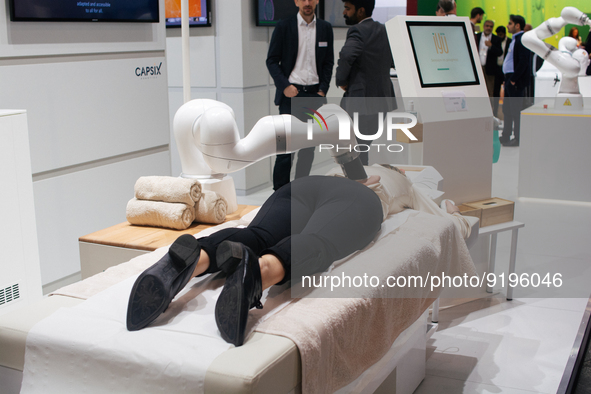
{"points": [[266, 363]]}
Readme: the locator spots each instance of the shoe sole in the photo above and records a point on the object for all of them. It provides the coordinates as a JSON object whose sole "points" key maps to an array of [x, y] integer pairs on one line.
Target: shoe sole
{"points": [[150, 294], [231, 311], [146, 303]]}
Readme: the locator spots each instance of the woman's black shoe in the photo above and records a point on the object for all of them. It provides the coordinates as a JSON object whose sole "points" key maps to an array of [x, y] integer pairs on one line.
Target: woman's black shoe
{"points": [[155, 288], [242, 290]]}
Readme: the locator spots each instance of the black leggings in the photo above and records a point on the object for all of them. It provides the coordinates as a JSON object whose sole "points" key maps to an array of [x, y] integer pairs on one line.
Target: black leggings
{"points": [[308, 224]]}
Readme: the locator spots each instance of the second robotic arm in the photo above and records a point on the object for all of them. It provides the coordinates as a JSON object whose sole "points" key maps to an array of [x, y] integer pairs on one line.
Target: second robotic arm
{"points": [[562, 58]]}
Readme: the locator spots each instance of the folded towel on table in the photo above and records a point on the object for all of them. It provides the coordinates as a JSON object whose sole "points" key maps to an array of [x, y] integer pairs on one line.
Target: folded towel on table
{"points": [[168, 189], [178, 216], [211, 208]]}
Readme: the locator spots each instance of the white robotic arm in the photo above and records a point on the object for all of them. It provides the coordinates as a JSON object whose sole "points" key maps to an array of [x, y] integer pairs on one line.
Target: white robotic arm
{"points": [[562, 58], [210, 144]]}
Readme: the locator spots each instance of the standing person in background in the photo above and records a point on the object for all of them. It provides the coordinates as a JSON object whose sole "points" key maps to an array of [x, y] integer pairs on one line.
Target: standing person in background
{"points": [[300, 61], [476, 16], [439, 11], [489, 49], [364, 68], [448, 7], [499, 76], [517, 69], [574, 33], [588, 49]]}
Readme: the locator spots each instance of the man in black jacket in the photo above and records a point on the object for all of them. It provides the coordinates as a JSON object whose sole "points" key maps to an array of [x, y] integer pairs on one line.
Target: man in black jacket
{"points": [[300, 61], [500, 77], [517, 70], [363, 69], [489, 49]]}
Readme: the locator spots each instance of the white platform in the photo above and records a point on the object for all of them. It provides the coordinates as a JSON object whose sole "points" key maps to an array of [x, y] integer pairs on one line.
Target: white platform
{"points": [[554, 160]]}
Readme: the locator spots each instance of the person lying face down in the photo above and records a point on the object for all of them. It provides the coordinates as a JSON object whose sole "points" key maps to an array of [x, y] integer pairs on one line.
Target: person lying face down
{"points": [[312, 215]]}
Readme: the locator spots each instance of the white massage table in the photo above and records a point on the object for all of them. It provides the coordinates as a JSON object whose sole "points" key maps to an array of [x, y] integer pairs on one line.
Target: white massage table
{"points": [[266, 363]]}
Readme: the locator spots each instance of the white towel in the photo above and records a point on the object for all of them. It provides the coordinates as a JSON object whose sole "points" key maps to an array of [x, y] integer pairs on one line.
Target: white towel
{"points": [[177, 216], [211, 208], [168, 189]]}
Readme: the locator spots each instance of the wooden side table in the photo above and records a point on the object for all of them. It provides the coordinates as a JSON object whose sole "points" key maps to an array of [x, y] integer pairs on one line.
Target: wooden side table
{"points": [[124, 241]]}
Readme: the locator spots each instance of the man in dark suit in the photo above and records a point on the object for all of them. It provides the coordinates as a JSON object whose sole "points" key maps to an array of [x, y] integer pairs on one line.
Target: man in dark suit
{"points": [[300, 61], [517, 69], [364, 68], [499, 76], [489, 49]]}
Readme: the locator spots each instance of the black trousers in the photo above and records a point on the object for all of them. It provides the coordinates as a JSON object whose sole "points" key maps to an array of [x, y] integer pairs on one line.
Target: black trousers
{"points": [[499, 79], [513, 103], [283, 163], [308, 224]]}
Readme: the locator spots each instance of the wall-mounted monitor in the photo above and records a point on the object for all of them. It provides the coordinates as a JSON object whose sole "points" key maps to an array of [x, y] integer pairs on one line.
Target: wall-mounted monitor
{"points": [[442, 53], [332, 11], [269, 12], [199, 13], [85, 11]]}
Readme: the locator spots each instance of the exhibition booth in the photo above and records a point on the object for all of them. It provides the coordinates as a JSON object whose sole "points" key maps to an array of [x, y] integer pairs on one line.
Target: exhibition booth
{"points": [[101, 113]]}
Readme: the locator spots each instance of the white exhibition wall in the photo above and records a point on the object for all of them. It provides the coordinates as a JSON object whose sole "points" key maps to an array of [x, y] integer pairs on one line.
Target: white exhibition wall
{"points": [[95, 123]]}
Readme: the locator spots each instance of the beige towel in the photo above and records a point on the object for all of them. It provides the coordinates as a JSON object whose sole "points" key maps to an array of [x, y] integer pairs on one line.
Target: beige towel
{"points": [[211, 208], [168, 189], [177, 216]]}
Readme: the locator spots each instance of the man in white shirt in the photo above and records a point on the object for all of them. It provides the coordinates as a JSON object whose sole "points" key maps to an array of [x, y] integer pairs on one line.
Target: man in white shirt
{"points": [[517, 68], [300, 61]]}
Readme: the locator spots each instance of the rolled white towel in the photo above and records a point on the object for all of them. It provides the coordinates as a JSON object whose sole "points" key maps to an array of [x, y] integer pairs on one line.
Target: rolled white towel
{"points": [[177, 216], [168, 189], [211, 208]]}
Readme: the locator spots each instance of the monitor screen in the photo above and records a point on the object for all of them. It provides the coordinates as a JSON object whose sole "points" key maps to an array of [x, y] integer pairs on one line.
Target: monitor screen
{"points": [[269, 12], [442, 53], [85, 11], [199, 13]]}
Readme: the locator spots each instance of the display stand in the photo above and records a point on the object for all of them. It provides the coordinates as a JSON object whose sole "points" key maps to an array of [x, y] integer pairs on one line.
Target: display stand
{"points": [[440, 73]]}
